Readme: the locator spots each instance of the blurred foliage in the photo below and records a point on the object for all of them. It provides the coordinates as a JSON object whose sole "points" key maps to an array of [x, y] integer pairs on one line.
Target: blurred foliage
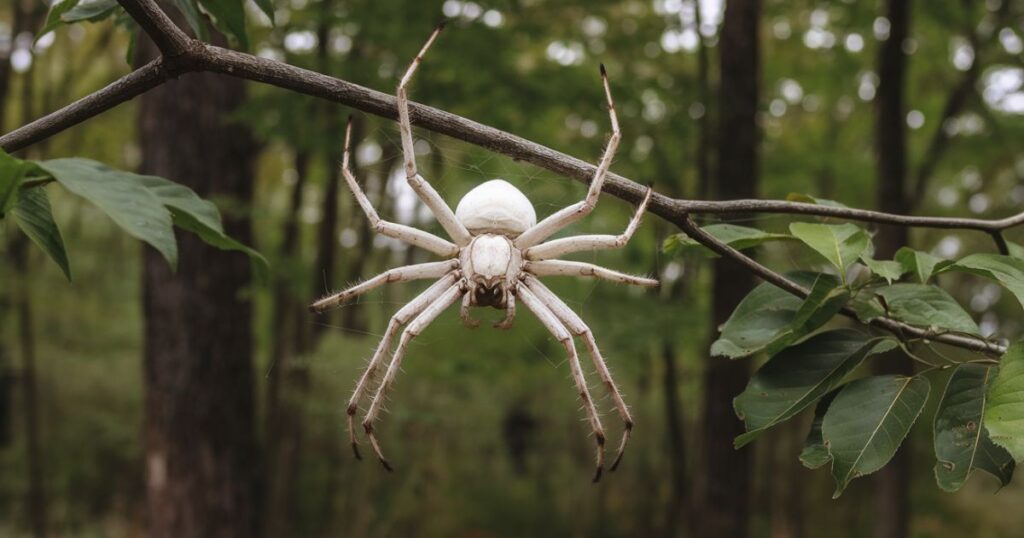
{"points": [[529, 67]]}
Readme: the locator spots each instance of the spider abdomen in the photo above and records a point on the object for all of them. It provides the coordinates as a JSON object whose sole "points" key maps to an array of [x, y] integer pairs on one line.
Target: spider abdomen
{"points": [[496, 207]]}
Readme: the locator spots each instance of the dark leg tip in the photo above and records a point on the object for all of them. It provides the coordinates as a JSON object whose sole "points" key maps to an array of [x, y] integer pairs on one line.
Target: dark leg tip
{"points": [[442, 24], [355, 452], [387, 466], [597, 474], [604, 72], [615, 464]]}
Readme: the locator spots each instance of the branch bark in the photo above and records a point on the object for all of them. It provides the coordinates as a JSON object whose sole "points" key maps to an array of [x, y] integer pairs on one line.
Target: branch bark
{"points": [[203, 57], [158, 26], [196, 56]]}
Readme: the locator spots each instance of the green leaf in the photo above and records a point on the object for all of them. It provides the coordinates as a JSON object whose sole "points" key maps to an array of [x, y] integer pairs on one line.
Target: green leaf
{"points": [[1016, 250], [128, 202], [229, 17], [761, 316], [192, 213], [887, 269], [868, 421], [267, 7], [840, 244], [89, 10], [799, 375], [190, 10], [920, 263], [737, 237], [867, 306], [961, 441], [927, 306], [53, 18], [1003, 269], [822, 304], [808, 199], [815, 453], [35, 218], [1004, 410], [12, 173]]}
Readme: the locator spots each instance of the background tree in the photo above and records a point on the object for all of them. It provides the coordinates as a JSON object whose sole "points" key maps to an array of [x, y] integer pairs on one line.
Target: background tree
{"points": [[726, 486], [201, 454]]}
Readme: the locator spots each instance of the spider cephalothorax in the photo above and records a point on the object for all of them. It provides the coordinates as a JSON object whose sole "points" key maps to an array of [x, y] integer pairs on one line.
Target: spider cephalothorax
{"points": [[497, 252]]}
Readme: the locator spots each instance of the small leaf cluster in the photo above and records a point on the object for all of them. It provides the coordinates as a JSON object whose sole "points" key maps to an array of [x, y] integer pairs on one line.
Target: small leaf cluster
{"points": [[147, 207], [859, 424], [227, 16]]}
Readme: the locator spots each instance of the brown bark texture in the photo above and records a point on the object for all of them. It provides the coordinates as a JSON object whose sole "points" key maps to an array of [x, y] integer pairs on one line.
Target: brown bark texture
{"points": [[891, 484], [726, 490], [200, 445]]}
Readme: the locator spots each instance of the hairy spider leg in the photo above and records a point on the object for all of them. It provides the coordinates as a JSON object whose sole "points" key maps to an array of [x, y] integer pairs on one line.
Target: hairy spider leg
{"points": [[576, 325], [572, 268], [559, 331], [560, 219], [578, 243], [418, 324], [424, 190], [407, 234], [398, 274], [412, 309]]}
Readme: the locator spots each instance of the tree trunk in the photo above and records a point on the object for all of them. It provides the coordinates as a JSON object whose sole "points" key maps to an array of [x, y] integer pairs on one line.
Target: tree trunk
{"points": [[891, 484], [725, 489], [677, 508], [36, 495], [201, 451], [26, 17], [280, 414], [327, 233]]}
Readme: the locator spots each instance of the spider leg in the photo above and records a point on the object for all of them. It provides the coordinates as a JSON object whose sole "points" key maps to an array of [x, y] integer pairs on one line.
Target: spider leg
{"points": [[398, 274], [408, 234], [424, 190], [403, 316], [420, 322], [559, 331], [571, 268], [560, 219], [510, 312], [560, 247], [467, 320], [576, 324]]}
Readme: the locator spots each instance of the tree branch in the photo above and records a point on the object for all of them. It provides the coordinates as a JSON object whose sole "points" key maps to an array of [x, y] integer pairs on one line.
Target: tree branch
{"points": [[131, 85], [896, 327], [182, 55], [161, 29], [202, 57]]}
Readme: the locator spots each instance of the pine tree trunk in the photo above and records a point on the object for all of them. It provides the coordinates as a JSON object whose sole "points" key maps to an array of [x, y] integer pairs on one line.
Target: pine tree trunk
{"points": [[892, 505], [725, 502], [201, 451]]}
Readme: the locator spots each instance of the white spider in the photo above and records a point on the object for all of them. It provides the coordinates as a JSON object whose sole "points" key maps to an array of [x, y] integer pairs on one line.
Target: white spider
{"points": [[497, 254]]}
